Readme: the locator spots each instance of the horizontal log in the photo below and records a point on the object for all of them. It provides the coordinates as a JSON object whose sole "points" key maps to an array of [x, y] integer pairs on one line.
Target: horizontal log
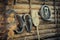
{"points": [[51, 38], [34, 33], [22, 1], [37, 2], [45, 26], [19, 8], [47, 22], [48, 35], [27, 10], [26, 6], [19, 11], [41, 36], [30, 38], [18, 39], [52, 21], [46, 31]]}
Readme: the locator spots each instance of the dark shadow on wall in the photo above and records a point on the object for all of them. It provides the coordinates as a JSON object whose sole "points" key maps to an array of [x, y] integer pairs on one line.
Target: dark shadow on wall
{"points": [[3, 35], [57, 18]]}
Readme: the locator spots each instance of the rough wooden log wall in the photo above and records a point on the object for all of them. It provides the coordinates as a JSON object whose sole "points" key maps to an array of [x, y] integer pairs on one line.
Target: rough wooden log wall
{"points": [[45, 28]]}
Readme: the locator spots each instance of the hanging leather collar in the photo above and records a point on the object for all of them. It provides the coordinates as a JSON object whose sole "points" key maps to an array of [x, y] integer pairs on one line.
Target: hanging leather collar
{"points": [[35, 17], [20, 26], [24, 21]]}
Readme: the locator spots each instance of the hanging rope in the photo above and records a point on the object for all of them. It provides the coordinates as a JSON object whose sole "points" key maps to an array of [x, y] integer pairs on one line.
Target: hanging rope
{"points": [[30, 3]]}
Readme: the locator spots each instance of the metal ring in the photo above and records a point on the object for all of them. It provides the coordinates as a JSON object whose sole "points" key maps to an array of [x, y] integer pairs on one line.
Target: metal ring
{"points": [[28, 20]]}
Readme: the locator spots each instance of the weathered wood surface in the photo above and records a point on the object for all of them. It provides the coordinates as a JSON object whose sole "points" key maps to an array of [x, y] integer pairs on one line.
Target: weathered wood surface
{"points": [[46, 29], [43, 32], [38, 2], [43, 36], [25, 38], [24, 8]]}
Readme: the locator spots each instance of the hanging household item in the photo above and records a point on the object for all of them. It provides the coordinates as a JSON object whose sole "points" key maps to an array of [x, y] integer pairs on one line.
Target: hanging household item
{"points": [[45, 12], [35, 17], [20, 26], [25, 21], [28, 21]]}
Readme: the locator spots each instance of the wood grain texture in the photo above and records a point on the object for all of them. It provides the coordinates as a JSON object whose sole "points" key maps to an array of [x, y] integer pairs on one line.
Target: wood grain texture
{"points": [[46, 29]]}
